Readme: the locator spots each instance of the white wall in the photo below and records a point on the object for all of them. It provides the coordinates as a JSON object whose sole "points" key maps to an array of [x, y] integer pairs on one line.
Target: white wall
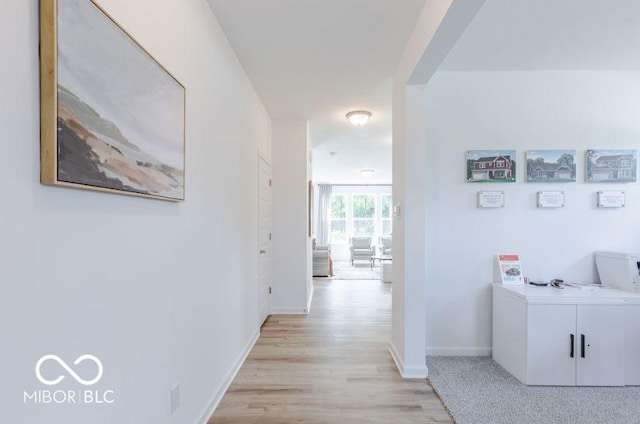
{"points": [[309, 247], [162, 293], [522, 111], [407, 317], [291, 242]]}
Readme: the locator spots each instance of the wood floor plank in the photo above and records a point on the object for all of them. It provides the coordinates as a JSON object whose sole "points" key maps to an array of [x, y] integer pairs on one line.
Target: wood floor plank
{"points": [[332, 366]]}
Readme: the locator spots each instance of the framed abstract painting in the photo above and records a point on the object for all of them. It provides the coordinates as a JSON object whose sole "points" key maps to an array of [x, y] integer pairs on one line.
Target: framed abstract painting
{"points": [[112, 118]]}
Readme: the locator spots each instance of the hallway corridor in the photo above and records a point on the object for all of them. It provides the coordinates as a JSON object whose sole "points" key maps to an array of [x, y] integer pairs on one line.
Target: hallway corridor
{"points": [[332, 366]]}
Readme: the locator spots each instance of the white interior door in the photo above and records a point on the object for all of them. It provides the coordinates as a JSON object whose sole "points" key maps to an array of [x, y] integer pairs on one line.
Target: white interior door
{"points": [[601, 359], [264, 239]]}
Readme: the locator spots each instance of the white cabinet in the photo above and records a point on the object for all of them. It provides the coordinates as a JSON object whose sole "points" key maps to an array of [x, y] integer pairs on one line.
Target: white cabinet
{"points": [[632, 343], [600, 339], [550, 345], [548, 336]]}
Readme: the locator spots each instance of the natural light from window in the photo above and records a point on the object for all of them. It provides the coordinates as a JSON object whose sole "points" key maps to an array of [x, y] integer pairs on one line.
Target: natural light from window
{"points": [[360, 214]]}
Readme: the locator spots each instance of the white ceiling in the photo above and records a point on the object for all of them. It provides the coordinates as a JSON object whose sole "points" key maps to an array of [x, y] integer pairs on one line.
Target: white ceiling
{"points": [[319, 59], [550, 34], [354, 148]]}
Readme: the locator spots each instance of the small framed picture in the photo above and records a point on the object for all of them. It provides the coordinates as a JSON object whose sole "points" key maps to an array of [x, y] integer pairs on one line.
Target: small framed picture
{"points": [[611, 166], [491, 166], [551, 166]]}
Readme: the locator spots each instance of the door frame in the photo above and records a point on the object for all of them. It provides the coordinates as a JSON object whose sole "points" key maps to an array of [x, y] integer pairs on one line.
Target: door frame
{"points": [[262, 319]]}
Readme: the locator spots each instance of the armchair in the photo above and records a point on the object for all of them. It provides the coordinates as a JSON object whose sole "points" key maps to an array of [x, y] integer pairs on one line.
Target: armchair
{"points": [[321, 260], [386, 243], [361, 249]]}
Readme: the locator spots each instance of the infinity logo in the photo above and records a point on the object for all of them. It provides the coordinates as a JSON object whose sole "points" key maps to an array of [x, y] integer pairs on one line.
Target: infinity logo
{"points": [[69, 370]]}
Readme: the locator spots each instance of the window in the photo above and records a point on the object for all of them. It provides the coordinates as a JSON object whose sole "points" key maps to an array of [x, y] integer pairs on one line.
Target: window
{"points": [[625, 163], [385, 213], [364, 214], [338, 218], [482, 165], [360, 213], [500, 164]]}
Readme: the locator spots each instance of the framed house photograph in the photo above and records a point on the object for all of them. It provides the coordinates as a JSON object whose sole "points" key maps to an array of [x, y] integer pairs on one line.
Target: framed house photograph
{"points": [[551, 166], [112, 118], [491, 166], [611, 166]]}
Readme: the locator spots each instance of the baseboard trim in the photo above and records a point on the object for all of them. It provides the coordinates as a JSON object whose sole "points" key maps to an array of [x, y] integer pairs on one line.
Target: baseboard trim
{"points": [[396, 357], [224, 386], [458, 351], [407, 373], [289, 311], [310, 298]]}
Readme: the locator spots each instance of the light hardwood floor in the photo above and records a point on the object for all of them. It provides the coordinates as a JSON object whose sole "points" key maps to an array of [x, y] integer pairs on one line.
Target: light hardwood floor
{"points": [[332, 366]]}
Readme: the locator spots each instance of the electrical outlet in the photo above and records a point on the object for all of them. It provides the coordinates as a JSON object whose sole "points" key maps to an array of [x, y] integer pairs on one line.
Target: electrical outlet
{"points": [[175, 398]]}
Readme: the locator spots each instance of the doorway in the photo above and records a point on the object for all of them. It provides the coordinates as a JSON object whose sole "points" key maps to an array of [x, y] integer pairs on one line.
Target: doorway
{"points": [[358, 218], [264, 239]]}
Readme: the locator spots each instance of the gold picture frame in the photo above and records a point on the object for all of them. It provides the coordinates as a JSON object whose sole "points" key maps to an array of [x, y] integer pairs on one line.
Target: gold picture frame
{"points": [[112, 117]]}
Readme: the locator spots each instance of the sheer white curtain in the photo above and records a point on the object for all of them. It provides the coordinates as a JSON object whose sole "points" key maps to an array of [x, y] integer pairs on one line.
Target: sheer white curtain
{"points": [[324, 206]]}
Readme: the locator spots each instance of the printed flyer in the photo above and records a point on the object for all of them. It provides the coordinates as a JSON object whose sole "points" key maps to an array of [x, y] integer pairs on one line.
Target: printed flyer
{"points": [[510, 269]]}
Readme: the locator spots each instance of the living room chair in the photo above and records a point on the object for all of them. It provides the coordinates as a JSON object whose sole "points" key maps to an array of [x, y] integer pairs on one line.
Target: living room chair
{"points": [[361, 249], [321, 260], [386, 244]]}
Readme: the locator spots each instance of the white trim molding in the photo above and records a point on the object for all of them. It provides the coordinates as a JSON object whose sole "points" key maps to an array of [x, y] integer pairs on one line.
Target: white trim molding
{"points": [[289, 311], [222, 389], [310, 299], [408, 373], [458, 351]]}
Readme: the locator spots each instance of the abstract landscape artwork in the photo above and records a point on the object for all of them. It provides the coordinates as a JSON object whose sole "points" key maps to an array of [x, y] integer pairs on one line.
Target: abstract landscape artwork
{"points": [[611, 166], [491, 166], [112, 118], [551, 166]]}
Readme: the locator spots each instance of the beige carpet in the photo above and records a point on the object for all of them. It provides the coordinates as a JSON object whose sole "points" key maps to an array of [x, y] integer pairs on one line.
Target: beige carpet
{"points": [[477, 390]]}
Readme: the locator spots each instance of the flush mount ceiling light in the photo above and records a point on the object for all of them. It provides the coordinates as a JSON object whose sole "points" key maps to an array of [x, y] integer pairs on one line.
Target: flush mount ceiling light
{"points": [[359, 117], [367, 172]]}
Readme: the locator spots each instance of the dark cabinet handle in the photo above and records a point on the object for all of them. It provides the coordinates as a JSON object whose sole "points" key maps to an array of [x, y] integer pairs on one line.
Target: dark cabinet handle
{"points": [[582, 345], [572, 345]]}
